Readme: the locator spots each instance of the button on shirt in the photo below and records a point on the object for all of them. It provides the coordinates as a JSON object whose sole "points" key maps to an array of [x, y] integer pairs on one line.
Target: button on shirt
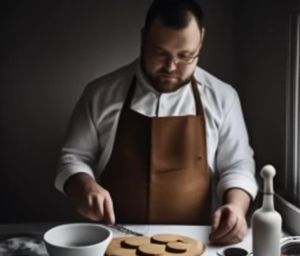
{"points": [[94, 123]]}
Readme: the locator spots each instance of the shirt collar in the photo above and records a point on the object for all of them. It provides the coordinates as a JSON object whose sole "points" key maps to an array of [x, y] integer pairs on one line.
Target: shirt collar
{"points": [[199, 76]]}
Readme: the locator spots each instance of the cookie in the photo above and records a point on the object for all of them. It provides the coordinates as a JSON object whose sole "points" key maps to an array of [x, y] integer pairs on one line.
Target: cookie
{"points": [[178, 247], [135, 241], [164, 238], [151, 250]]}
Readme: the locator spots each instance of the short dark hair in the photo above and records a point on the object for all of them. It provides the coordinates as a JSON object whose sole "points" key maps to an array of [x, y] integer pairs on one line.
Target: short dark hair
{"points": [[174, 13]]}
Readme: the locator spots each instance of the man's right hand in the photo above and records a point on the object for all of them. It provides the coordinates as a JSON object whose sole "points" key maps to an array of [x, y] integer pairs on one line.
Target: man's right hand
{"points": [[92, 200]]}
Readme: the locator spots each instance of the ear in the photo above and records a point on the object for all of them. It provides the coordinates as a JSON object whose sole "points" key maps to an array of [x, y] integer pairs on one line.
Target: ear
{"points": [[202, 35]]}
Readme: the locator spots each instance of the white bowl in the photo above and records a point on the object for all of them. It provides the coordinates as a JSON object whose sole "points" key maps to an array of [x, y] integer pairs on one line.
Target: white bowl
{"points": [[77, 239]]}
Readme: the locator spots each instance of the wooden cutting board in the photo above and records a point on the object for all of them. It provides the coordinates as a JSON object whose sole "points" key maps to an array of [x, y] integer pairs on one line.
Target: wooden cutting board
{"points": [[156, 245]]}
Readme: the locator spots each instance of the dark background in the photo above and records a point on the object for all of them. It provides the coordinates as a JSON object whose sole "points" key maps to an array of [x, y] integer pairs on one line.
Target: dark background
{"points": [[51, 49]]}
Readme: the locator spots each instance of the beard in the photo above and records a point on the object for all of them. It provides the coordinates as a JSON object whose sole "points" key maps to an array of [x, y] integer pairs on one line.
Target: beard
{"points": [[165, 81]]}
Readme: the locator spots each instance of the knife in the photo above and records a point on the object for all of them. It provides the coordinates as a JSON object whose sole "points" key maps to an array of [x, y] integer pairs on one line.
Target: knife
{"points": [[124, 230]]}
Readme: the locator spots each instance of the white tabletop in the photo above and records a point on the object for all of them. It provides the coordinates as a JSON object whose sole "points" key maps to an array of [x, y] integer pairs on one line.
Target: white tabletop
{"points": [[198, 232]]}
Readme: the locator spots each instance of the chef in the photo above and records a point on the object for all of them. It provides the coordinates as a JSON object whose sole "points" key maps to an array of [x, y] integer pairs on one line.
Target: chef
{"points": [[161, 140]]}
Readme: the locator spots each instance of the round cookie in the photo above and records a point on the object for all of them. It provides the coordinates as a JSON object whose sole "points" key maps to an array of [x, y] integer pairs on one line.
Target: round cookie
{"points": [[178, 247], [135, 241], [164, 238], [151, 250]]}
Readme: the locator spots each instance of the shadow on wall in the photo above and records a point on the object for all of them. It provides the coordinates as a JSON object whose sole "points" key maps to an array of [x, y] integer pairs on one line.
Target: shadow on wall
{"points": [[262, 41]]}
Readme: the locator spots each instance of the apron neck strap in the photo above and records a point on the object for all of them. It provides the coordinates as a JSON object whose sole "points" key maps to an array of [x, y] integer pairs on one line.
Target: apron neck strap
{"points": [[130, 93], [198, 103]]}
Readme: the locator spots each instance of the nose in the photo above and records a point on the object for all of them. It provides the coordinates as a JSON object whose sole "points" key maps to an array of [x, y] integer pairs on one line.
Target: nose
{"points": [[171, 64]]}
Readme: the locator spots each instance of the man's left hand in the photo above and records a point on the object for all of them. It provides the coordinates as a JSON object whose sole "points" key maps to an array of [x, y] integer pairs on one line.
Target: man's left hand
{"points": [[228, 225]]}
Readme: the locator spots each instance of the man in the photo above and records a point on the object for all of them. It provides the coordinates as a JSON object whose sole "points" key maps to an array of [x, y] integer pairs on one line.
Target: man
{"points": [[156, 141]]}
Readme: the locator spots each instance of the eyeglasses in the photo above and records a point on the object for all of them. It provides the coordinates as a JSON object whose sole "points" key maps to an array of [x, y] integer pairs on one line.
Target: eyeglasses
{"points": [[166, 57]]}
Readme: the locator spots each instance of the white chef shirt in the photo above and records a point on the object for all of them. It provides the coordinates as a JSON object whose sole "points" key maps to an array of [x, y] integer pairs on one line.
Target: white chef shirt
{"points": [[94, 123]]}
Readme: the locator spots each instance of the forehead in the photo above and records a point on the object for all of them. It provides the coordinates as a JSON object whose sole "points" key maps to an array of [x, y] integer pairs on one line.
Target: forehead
{"points": [[161, 36]]}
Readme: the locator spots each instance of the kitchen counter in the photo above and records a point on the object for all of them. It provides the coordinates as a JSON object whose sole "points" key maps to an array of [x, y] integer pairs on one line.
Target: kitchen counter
{"points": [[198, 232]]}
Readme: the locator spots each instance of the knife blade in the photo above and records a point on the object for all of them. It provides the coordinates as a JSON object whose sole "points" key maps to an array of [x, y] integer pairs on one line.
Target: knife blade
{"points": [[124, 230]]}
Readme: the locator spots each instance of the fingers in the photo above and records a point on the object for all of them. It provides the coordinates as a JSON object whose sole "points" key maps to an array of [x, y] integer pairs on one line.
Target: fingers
{"points": [[226, 222], [236, 235], [97, 206], [228, 227], [109, 214], [92, 208], [216, 220]]}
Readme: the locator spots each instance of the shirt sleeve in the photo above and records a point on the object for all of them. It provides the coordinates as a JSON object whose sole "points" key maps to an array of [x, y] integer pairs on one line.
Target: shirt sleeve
{"points": [[81, 144], [234, 157]]}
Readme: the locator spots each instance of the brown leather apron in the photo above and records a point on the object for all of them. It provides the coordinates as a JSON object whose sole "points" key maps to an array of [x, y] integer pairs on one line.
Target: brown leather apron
{"points": [[158, 171]]}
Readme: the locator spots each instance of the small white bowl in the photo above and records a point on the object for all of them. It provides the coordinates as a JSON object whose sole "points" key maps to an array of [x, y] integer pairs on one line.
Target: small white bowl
{"points": [[77, 239]]}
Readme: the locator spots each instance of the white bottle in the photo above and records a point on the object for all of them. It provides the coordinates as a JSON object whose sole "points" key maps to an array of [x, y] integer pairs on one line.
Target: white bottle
{"points": [[266, 222]]}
